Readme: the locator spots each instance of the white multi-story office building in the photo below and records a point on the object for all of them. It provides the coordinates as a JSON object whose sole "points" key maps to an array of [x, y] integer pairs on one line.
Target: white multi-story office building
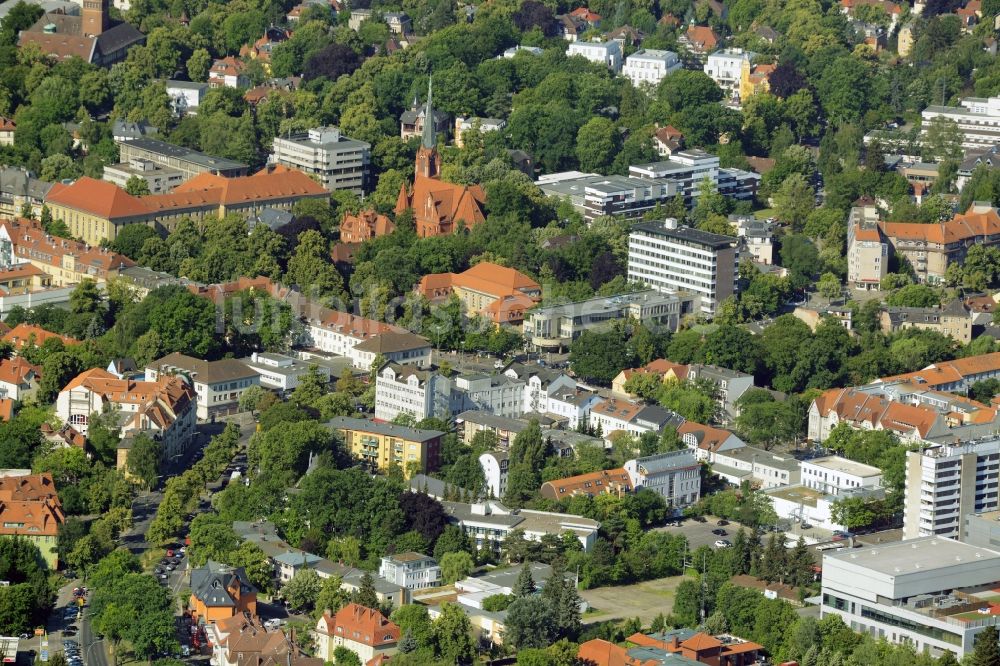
{"points": [[945, 483], [408, 390], [725, 67], [686, 168], [413, 571], [608, 54], [650, 66], [669, 257], [495, 464], [497, 394], [339, 162], [280, 372], [594, 195], [675, 475], [924, 592], [978, 119], [833, 474]]}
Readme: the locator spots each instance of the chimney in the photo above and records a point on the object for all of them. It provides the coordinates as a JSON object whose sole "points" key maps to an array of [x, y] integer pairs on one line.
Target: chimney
{"points": [[670, 223]]}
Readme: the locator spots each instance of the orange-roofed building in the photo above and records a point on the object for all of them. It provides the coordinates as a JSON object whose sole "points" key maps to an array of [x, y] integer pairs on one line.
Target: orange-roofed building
{"points": [[930, 248], [92, 35], [593, 19], [19, 379], [439, 207], [599, 652], [164, 409], [702, 648], [96, 210], [364, 631], [755, 79], [29, 334], [30, 508], [867, 250], [261, 49], [219, 592], [364, 226], [707, 441], [228, 72], [7, 127], [700, 40], [667, 370], [608, 481], [65, 260], [502, 294]]}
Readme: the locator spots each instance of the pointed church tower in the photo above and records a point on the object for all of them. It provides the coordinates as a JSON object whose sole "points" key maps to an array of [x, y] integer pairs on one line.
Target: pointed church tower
{"points": [[428, 160]]}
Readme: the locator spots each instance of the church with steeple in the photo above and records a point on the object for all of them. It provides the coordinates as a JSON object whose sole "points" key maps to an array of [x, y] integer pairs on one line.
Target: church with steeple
{"points": [[439, 207]]}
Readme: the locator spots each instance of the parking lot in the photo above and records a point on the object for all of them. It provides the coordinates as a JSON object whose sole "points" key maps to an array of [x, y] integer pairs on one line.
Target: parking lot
{"points": [[700, 534]]}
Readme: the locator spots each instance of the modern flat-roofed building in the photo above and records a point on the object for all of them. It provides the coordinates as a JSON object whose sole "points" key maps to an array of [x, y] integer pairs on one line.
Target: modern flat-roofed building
{"points": [[594, 196], [765, 469], [382, 445], [977, 118], [557, 326], [668, 257], [158, 178], [945, 483], [339, 162], [867, 251], [926, 592], [834, 474], [686, 168], [650, 66], [280, 372], [608, 54], [725, 67], [413, 571], [675, 475], [188, 162]]}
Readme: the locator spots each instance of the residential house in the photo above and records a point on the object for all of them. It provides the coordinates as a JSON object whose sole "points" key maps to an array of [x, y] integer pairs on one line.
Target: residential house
{"points": [[953, 320], [893, 10], [242, 640], [688, 646], [30, 509], [726, 66], [219, 591], [413, 121], [337, 332], [613, 416], [414, 571], [68, 262], [383, 445], [24, 335], [956, 375], [228, 72], [218, 384], [465, 124], [399, 347], [699, 40], [163, 407], [19, 188], [409, 390], [668, 140], [758, 236], [92, 36], [707, 442], [666, 370], [730, 385], [675, 475], [755, 79], [608, 53], [605, 482], [363, 631], [7, 128], [262, 49], [504, 428], [496, 292], [18, 379], [439, 207]]}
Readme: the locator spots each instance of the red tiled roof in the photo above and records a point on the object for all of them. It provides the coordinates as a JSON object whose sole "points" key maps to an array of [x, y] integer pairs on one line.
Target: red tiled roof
{"points": [[32, 243], [99, 198], [362, 625], [702, 37], [22, 333], [599, 652], [16, 370], [7, 124], [594, 483]]}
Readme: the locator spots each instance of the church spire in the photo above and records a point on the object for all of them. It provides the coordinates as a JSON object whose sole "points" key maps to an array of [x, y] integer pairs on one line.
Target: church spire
{"points": [[429, 140]]}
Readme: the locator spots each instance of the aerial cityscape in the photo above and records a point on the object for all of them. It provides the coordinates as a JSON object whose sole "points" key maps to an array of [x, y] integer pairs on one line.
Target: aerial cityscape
{"points": [[499, 332]]}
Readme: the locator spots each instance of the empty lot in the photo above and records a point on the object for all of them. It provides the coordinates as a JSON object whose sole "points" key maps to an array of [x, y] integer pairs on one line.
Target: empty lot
{"points": [[643, 600]]}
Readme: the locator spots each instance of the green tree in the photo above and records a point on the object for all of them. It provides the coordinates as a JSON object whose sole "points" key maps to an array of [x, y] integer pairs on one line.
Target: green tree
{"points": [[332, 596], [137, 186], [829, 286], [303, 590], [794, 201], [144, 459], [597, 143], [986, 650], [452, 634], [456, 566], [198, 64], [531, 622]]}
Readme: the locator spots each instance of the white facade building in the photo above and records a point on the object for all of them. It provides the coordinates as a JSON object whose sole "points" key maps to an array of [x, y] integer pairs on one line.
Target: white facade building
{"points": [[186, 96], [340, 163], [498, 394], [159, 179], [280, 372], [763, 468], [919, 592], [725, 68], [650, 66], [676, 476], [833, 474], [945, 483], [608, 54], [494, 464], [409, 390], [668, 257], [411, 570], [978, 120], [218, 384]]}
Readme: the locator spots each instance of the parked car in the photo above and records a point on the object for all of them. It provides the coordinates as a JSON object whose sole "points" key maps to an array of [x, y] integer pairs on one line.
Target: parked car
{"points": [[722, 543], [722, 522], [719, 532], [806, 526]]}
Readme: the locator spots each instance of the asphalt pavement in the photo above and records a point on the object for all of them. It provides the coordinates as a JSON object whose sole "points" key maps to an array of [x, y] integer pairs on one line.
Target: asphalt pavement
{"points": [[700, 534]]}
